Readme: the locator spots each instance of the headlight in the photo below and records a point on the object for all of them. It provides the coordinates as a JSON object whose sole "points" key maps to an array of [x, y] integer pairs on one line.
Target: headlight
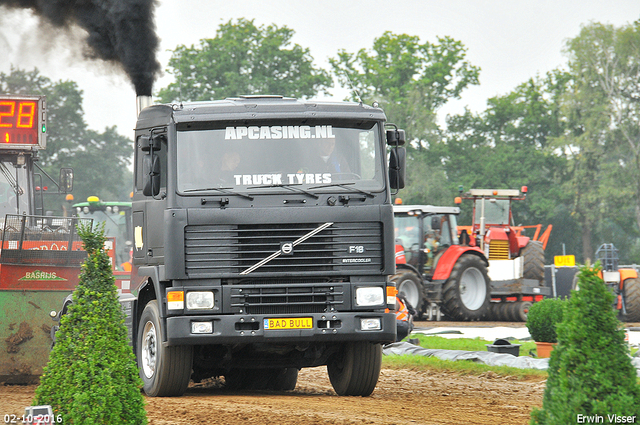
{"points": [[199, 300], [367, 296]]}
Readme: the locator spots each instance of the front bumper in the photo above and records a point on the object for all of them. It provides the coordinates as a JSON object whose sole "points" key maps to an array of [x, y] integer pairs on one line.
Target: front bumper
{"points": [[249, 329]]}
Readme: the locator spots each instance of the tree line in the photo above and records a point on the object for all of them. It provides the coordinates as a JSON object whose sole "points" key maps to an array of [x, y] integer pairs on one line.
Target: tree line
{"points": [[571, 135]]}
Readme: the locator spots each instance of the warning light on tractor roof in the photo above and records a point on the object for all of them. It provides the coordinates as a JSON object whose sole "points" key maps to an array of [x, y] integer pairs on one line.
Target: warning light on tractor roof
{"points": [[20, 121]]}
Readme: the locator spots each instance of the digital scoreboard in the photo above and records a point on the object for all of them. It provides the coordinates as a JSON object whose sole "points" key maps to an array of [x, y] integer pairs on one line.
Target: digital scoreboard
{"points": [[22, 122]]}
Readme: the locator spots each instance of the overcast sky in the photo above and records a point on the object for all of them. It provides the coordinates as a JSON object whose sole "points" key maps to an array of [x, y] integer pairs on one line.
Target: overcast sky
{"points": [[509, 40]]}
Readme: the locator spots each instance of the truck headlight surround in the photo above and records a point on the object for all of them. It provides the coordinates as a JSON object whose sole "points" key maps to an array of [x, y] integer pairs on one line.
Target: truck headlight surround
{"points": [[199, 300], [369, 296]]}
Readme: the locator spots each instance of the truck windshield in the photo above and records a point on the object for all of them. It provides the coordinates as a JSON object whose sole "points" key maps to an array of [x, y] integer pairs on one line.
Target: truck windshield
{"points": [[273, 157], [14, 196]]}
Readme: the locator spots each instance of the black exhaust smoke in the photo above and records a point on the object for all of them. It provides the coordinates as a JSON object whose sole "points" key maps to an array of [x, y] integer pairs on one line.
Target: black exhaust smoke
{"points": [[119, 31]]}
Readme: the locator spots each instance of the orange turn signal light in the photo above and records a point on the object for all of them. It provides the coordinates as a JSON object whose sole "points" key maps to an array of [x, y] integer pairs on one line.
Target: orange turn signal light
{"points": [[175, 296]]}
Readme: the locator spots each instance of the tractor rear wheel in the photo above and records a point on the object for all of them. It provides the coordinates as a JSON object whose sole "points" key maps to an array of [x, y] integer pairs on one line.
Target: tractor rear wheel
{"points": [[631, 295], [533, 261], [411, 286], [466, 294]]}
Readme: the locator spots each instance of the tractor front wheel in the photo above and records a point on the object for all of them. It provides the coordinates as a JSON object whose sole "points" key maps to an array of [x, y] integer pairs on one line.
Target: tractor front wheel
{"points": [[410, 285], [467, 293]]}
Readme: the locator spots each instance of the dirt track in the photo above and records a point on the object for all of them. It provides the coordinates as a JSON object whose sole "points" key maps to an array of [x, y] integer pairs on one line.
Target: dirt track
{"points": [[401, 397]]}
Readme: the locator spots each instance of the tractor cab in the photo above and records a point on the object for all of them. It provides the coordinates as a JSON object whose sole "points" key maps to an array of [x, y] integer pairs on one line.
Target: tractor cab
{"points": [[425, 232], [116, 218], [493, 227]]}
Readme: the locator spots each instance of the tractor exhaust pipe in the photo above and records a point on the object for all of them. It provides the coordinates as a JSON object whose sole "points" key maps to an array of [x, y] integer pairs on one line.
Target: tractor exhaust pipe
{"points": [[142, 102]]}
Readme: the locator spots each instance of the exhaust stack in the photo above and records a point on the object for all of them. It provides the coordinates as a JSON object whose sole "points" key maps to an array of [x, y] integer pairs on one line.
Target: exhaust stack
{"points": [[142, 102]]}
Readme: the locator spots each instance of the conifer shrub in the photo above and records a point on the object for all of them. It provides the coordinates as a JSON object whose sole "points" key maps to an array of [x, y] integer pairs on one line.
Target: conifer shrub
{"points": [[590, 371], [543, 317], [92, 376]]}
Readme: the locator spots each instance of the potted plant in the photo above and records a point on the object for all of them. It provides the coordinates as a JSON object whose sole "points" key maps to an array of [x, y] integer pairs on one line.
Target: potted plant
{"points": [[542, 319]]}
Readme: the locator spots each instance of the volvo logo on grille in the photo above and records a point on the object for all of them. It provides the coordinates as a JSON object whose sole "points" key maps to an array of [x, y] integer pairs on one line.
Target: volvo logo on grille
{"points": [[286, 248]]}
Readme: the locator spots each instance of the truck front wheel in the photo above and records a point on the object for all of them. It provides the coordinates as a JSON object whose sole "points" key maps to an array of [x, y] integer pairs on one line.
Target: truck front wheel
{"points": [[356, 369], [165, 370], [466, 294]]}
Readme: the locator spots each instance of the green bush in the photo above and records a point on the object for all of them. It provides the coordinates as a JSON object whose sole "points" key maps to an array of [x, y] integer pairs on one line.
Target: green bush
{"points": [[92, 377], [590, 371], [543, 318]]}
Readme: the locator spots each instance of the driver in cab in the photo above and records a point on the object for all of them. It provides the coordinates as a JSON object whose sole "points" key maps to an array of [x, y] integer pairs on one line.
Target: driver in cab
{"points": [[328, 159]]}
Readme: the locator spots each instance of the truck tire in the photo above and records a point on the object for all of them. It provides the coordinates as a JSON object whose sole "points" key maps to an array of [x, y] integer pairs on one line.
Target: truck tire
{"points": [[411, 286], [631, 294], [520, 310], [502, 311], [356, 369], [492, 313], [466, 294], [165, 370], [533, 261], [284, 379]]}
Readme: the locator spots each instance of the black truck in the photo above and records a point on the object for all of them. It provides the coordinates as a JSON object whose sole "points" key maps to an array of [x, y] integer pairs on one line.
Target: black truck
{"points": [[263, 242]]}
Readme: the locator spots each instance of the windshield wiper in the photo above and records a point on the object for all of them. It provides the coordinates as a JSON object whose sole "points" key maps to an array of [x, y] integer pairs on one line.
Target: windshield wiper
{"points": [[290, 187], [345, 186], [221, 189]]}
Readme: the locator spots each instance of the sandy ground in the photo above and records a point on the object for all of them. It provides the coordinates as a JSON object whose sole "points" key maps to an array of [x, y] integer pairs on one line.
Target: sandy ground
{"points": [[401, 397]]}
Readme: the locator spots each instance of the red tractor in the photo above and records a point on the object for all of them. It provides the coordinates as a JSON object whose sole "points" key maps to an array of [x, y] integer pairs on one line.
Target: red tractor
{"points": [[435, 269], [516, 261]]}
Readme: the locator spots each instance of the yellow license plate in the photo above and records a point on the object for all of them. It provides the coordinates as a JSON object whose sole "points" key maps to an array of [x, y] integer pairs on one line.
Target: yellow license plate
{"points": [[288, 323]]}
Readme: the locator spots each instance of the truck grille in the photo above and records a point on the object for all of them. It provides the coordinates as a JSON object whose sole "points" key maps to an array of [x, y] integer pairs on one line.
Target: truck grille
{"points": [[228, 250], [289, 299]]}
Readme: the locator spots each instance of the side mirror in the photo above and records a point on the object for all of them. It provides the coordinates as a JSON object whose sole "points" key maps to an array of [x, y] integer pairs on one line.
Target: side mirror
{"points": [[397, 167], [144, 143], [147, 143], [151, 175], [395, 137], [435, 222], [65, 181]]}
